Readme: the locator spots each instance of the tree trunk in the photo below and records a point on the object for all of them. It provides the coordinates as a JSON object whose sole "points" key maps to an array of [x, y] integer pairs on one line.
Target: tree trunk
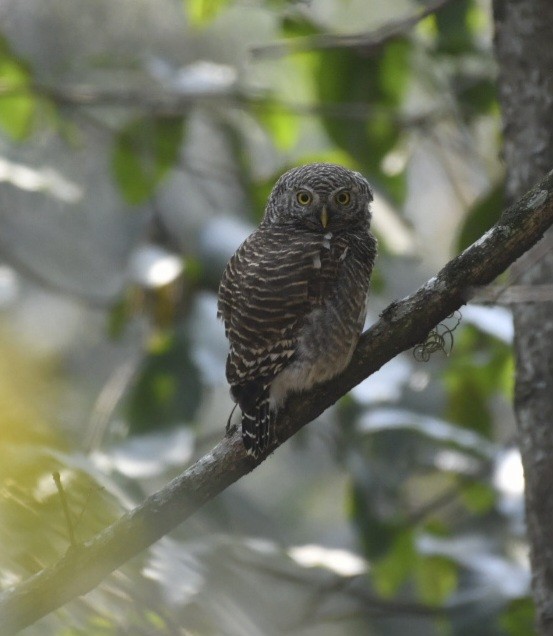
{"points": [[524, 51]]}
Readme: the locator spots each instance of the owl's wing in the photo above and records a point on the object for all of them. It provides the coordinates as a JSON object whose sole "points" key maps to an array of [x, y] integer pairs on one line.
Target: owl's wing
{"points": [[264, 297], [272, 285]]}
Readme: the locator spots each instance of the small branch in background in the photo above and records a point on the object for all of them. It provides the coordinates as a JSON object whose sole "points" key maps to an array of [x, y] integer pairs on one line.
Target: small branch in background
{"points": [[371, 41], [513, 294], [109, 398], [166, 103], [89, 299], [70, 530], [443, 499], [509, 293], [371, 604], [160, 101]]}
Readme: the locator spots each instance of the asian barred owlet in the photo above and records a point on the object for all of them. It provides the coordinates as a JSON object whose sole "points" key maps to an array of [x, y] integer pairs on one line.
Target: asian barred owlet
{"points": [[293, 296]]}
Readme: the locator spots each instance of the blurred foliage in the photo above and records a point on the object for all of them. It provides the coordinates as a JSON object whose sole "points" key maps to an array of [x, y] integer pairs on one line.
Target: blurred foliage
{"points": [[519, 617], [201, 12], [168, 389], [378, 81], [478, 372], [33, 523], [17, 104], [483, 214], [145, 150], [455, 36], [398, 511]]}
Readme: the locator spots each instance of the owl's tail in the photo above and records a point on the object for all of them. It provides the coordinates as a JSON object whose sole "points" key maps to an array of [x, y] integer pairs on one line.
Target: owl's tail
{"points": [[257, 425]]}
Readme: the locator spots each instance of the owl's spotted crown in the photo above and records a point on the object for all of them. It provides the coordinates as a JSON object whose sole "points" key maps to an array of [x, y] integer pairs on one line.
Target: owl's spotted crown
{"points": [[321, 180]]}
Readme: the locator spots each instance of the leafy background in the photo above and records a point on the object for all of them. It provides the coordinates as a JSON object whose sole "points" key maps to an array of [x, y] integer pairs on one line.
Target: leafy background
{"points": [[138, 143]]}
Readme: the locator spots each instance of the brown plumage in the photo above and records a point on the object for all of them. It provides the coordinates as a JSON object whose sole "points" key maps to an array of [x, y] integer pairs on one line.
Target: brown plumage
{"points": [[293, 296]]}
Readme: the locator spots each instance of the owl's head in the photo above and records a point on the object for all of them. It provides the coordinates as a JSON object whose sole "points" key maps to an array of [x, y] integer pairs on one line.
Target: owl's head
{"points": [[321, 197]]}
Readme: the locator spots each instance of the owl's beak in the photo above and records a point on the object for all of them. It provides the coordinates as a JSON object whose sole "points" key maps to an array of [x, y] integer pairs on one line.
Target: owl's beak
{"points": [[324, 217]]}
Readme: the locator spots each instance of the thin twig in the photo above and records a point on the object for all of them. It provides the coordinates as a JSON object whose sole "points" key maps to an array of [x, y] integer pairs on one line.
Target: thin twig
{"points": [[368, 41], [71, 532], [513, 294], [509, 294], [87, 298]]}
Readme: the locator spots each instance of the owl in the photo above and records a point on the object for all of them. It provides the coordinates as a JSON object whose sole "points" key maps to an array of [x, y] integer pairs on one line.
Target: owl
{"points": [[293, 296]]}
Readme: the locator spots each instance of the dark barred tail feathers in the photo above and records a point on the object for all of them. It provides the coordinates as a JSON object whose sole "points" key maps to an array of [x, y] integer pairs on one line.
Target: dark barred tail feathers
{"points": [[257, 418], [258, 425]]}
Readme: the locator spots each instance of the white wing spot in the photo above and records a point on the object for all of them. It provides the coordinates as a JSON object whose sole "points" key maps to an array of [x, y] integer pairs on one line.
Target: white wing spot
{"points": [[317, 261]]}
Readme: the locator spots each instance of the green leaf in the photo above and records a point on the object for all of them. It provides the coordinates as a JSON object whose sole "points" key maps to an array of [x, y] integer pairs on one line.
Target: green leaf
{"points": [[468, 403], [453, 27], [297, 25], [390, 572], [479, 368], [145, 150], [349, 78], [201, 12], [478, 497], [377, 535], [282, 125], [120, 314], [168, 390], [519, 619], [483, 214], [476, 95], [17, 104], [436, 578]]}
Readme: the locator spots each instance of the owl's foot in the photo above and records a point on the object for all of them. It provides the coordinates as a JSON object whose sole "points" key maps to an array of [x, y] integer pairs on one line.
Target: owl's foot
{"points": [[230, 428]]}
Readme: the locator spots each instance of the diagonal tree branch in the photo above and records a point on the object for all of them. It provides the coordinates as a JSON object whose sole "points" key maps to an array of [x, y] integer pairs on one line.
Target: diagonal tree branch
{"points": [[403, 325], [371, 41]]}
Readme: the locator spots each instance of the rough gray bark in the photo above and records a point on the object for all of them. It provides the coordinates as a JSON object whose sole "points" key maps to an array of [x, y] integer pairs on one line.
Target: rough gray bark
{"points": [[524, 51], [403, 325]]}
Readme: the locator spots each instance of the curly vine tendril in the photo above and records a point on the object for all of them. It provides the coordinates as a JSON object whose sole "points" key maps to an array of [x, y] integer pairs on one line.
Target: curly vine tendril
{"points": [[439, 339]]}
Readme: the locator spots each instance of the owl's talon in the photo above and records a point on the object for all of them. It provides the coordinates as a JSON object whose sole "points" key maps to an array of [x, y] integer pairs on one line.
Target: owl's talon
{"points": [[231, 428]]}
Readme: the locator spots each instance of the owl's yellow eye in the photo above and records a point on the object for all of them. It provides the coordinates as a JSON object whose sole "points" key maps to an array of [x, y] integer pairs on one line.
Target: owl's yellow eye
{"points": [[303, 197], [343, 198]]}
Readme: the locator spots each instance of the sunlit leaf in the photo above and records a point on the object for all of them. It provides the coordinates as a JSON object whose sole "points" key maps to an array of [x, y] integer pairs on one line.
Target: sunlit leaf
{"points": [[282, 125], [436, 578], [34, 530], [17, 105], [145, 150], [390, 572], [201, 12]]}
